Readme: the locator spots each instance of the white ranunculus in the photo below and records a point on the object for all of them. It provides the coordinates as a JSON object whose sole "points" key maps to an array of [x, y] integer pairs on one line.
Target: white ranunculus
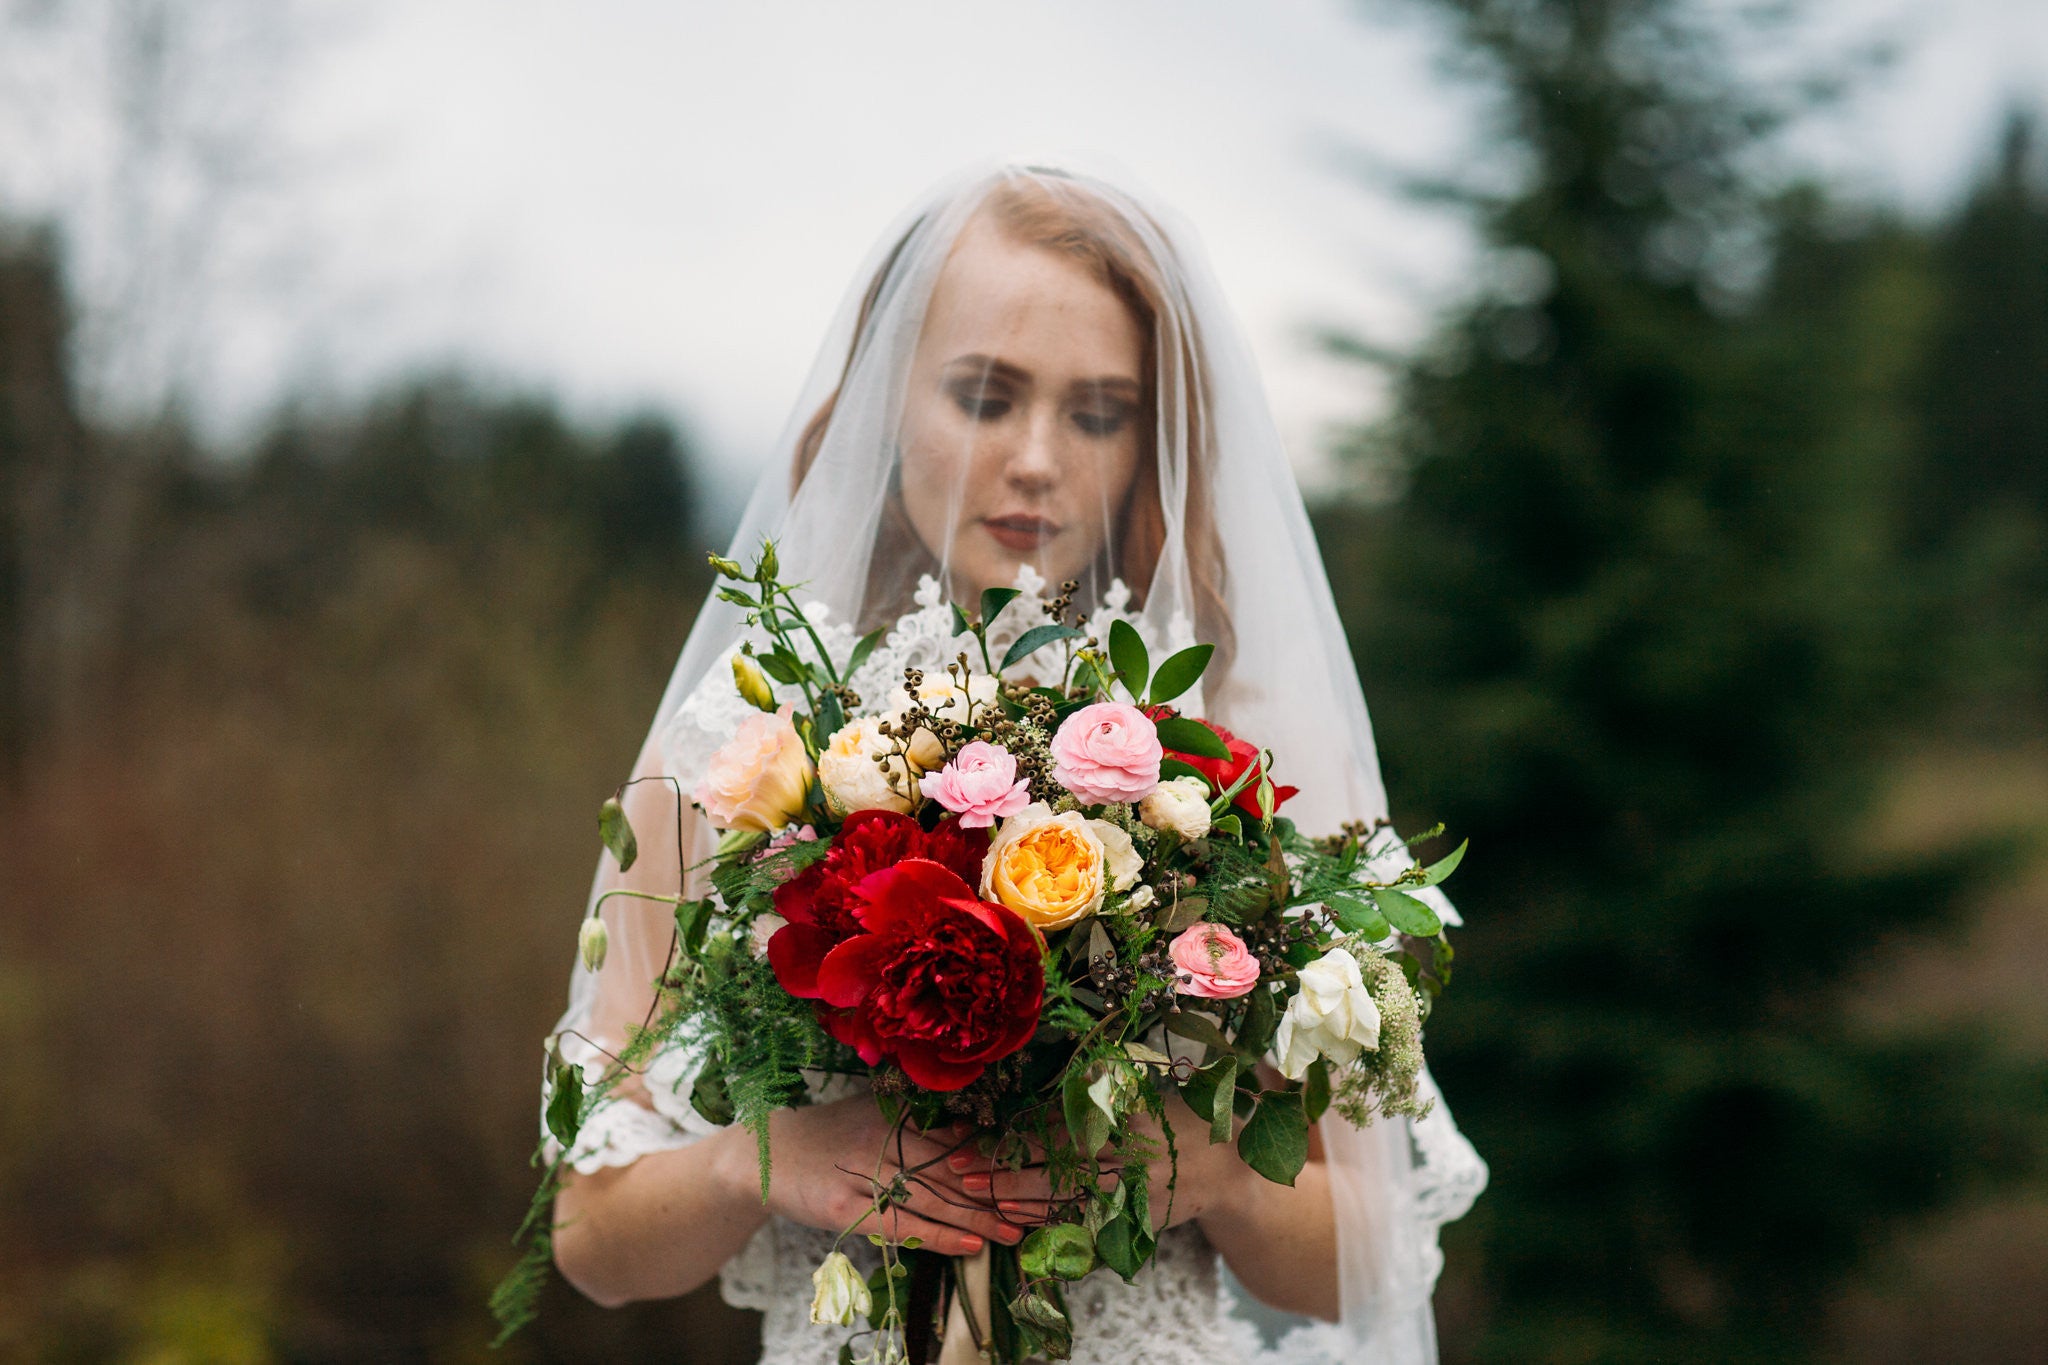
{"points": [[842, 1299], [1180, 804], [948, 700], [851, 777], [1332, 1015]]}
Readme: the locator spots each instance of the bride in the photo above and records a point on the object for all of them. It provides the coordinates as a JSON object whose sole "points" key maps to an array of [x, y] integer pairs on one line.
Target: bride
{"points": [[1034, 382]]}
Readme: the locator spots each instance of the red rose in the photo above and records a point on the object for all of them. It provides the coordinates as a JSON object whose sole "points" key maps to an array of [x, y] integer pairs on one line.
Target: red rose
{"points": [[1221, 772], [942, 982], [819, 904]]}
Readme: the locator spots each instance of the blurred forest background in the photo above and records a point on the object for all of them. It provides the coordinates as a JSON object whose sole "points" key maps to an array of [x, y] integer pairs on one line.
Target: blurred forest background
{"points": [[1699, 574]]}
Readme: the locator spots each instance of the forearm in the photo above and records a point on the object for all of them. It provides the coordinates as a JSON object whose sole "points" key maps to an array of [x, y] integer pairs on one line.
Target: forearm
{"points": [[661, 1226], [1281, 1241]]}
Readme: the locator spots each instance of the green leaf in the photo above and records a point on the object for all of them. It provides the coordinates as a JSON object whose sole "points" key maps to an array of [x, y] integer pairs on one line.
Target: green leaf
{"points": [[1127, 653], [1117, 1245], [1261, 1019], [1196, 1028], [1191, 737], [1087, 1125], [1445, 866], [1179, 913], [993, 600], [1356, 917], [831, 717], [1042, 1325], [783, 666], [1179, 673], [961, 625], [1315, 1089], [1408, 914], [617, 833], [1035, 639], [1227, 827], [1170, 768], [863, 649], [565, 1105], [710, 1098], [1059, 1251], [692, 919], [1275, 1142], [1208, 1092]]}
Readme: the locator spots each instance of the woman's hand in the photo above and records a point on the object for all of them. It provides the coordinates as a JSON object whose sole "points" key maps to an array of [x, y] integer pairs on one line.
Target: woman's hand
{"points": [[1211, 1177], [828, 1159]]}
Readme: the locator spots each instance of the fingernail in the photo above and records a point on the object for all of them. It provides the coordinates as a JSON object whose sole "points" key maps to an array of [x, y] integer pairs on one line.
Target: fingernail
{"points": [[972, 1243], [978, 1183], [1012, 1235], [1009, 1206], [959, 1163]]}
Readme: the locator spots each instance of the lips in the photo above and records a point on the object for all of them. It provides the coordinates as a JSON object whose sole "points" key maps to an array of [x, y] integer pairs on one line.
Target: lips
{"points": [[1021, 531]]}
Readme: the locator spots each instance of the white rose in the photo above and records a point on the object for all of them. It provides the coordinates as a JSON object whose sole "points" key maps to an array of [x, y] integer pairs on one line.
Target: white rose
{"points": [[854, 781], [1332, 1015], [1120, 855], [948, 700], [1181, 805], [842, 1299], [763, 930]]}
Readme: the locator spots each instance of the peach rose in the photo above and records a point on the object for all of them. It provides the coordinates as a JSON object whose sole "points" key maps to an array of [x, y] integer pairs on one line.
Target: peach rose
{"points": [[1214, 963], [853, 777], [759, 778], [1053, 870]]}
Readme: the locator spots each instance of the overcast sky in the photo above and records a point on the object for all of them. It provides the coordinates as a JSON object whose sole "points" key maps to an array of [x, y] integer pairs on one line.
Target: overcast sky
{"points": [[658, 203]]}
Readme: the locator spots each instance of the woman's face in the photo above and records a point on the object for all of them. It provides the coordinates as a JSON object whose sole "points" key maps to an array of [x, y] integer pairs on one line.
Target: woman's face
{"points": [[1025, 417]]}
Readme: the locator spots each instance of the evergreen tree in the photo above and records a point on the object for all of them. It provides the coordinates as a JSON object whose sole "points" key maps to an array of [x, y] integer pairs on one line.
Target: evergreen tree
{"points": [[1635, 626]]}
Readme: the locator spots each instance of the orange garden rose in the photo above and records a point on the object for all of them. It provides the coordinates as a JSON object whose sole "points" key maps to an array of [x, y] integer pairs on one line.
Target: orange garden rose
{"points": [[759, 778], [1053, 870]]}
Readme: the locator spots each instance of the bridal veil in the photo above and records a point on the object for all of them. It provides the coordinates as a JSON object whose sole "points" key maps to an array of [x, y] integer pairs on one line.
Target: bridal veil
{"points": [[1212, 544]]}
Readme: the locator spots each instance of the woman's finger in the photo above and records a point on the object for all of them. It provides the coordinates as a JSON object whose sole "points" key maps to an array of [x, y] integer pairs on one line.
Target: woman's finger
{"points": [[940, 1206]]}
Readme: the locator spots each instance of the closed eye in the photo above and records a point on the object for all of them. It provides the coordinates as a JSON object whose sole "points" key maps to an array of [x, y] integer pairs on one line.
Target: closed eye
{"points": [[1105, 420]]}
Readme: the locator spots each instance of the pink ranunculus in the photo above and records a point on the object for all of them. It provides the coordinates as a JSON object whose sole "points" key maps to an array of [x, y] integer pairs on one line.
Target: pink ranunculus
{"points": [[980, 785], [1107, 752], [1214, 963]]}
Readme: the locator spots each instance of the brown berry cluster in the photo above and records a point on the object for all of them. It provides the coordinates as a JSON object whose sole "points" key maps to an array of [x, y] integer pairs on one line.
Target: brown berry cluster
{"points": [[1269, 940], [1118, 981]]}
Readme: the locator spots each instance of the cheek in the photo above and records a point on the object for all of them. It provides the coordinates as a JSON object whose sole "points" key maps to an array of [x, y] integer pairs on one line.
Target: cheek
{"points": [[936, 453]]}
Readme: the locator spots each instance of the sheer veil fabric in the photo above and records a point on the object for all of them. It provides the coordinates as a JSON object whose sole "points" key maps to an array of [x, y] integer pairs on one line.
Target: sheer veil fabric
{"points": [[1210, 542]]}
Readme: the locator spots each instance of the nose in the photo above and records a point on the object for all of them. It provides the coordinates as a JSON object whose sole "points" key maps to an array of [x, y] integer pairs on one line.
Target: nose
{"points": [[1033, 463]]}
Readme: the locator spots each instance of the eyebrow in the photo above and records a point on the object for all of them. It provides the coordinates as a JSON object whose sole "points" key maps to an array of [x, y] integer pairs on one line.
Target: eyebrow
{"points": [[990, 367]]}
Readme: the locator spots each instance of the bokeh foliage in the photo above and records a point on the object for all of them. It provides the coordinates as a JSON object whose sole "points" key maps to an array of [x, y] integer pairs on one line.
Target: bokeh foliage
{"points": [[1662, 593]]}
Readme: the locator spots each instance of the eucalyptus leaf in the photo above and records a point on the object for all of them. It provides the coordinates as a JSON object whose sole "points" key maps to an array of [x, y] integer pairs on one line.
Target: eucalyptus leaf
{"points": [[1117, 1245], [1087, 1125], [1275, 1142], [1208, 1093], [1197, 1028], [993, 600], [1128, 655], [1182, 735], [1261, 1019], [1170, 768], [1180, 672], [617, 832], [1035, 639], [693, 918], [961, 625], [1059, 1251], [1315, 1089], [1407, 914], [1178, 914]]}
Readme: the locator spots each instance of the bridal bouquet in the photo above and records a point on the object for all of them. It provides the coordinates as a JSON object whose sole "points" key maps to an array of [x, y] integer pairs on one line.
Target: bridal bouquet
{"points": [[1030, 895]]}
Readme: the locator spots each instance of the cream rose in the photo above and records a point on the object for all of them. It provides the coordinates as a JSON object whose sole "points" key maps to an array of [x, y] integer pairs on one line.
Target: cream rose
{"points": [[840, 1297], [948, 700], [1332, 1015], [1055, 869], [853, 780], [759, 778], [1180, 804]]}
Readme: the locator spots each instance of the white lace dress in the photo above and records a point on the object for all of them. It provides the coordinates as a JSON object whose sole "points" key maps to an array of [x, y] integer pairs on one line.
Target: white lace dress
{"points": [[1180, 1310]]}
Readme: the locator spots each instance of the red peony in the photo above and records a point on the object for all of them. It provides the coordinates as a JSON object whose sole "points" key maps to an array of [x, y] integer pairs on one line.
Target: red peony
{"points": [[942, 982], [819, 901], [1221, 773]]}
